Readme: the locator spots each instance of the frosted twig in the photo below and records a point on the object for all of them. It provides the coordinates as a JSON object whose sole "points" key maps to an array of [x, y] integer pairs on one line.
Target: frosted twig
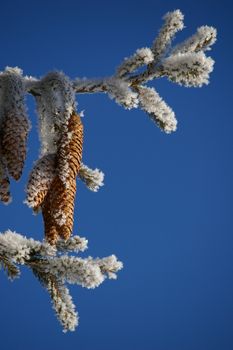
{"points": [[119, 90], [202, 40], [188, 69], [141, 57], [11, 269], [54, 270], [73, 244], [173, 22], [92, 178], [157, 109], [88, 273], [61, 299]]}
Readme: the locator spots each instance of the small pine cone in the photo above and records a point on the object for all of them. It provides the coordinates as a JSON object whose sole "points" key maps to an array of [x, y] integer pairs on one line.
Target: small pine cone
{"points": [[69, 155], [5, 196], [39, 181], [14, 138], [5, 190], [51, 233]]}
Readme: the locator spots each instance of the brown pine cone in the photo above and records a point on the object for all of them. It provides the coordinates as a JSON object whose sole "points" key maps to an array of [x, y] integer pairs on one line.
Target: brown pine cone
{"points": [[5, 196], [62, 206], [5, 190], [14, 138], [50, 229], [69, 155], [40, 180], [58, 210], [58, 206]]}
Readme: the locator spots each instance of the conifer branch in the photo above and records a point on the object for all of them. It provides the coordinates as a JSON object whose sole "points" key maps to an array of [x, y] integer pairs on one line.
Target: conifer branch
{"points": [[54, 268], [51, 187], [185, 64]]}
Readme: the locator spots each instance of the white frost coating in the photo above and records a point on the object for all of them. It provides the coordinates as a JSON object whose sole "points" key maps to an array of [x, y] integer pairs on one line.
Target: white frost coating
{"points": [[130, 64], [109, 265], [88, 273], [81, 114], [29, 82], [188, 69], [88, 85], [12, 94], [60, 297], [200, 41], [119, 90], [185, 64], [60, 217], [12, 91], [55, 99], [19, 248], [158, 110], [92, 178], [63, 305], [73, 244], [173, 23], [14, 70]]}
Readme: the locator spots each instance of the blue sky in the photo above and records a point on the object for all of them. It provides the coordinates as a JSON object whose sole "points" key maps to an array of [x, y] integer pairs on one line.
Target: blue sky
{"points": [[166, 208]]}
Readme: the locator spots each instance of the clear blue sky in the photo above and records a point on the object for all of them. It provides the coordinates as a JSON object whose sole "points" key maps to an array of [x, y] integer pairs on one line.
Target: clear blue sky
{"points": [[166, 208]]}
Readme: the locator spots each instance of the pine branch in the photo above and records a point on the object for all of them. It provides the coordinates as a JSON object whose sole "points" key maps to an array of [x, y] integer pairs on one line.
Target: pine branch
{"points": [[185, 64], [93, 179], [61, 299], [202, 40], [11, 269], [54, 267], [52, 182], [157, 109]]}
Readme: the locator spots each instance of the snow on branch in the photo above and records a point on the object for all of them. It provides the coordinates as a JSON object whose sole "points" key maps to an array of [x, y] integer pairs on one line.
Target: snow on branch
{"points": [[188, 69], [141, 57], [61, 299], [157, 109], [73, 244], [55, 100], [55, 270], [119, 90], [173, 22], [184, 64], [202, 40], [92, 178]]}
